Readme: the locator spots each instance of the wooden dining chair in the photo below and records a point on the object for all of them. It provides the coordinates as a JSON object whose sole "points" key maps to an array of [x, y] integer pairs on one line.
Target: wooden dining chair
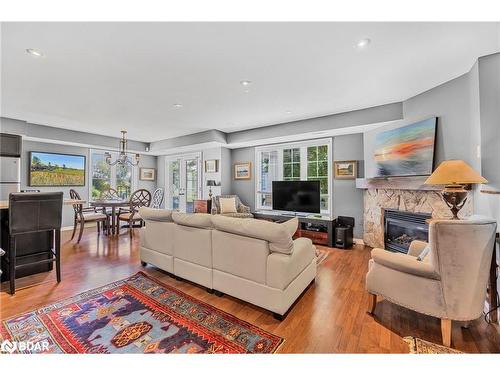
{"points": [[157, 199], [139, 198], [86, 215], [109, 193]]}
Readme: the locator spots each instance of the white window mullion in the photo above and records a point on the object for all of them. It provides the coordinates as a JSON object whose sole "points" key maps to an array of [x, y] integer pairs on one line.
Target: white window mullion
{"points": [[303, 163]]}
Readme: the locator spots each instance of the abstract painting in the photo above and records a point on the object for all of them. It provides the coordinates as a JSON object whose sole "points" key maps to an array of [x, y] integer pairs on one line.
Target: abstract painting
{"points": [[406, 151]]}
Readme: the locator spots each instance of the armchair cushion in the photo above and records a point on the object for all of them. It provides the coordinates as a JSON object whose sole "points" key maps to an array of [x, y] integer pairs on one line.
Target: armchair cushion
{"points": [[416, 247], [404, 263]]}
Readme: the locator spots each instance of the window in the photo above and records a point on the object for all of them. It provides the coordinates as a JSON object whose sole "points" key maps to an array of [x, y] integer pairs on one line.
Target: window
{"points": [[317, 169], [104, 176], [306, 161]]}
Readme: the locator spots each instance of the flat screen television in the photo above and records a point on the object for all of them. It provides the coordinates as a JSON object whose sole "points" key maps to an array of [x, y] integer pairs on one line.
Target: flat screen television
{"points": [[406, 151], [296, 196], [51, 169]]}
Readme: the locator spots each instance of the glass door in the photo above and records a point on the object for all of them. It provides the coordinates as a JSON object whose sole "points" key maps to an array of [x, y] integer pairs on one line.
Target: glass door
{"points": [[183, 182]]}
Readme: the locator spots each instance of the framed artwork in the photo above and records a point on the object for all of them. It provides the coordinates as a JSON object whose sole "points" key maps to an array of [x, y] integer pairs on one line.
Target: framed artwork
{"points": [[147, 174], [211, 166], [243, 171], [345, 170], [52, 169]]}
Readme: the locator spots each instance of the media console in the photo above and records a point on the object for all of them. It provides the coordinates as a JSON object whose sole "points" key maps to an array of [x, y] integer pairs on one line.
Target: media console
{"points": [[319, 229]]}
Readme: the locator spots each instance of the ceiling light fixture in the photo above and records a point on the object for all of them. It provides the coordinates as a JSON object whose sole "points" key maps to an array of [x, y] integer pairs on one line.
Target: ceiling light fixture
{"points": [[123, 157], [362, 43], [246, 83], [34, 52], [288, 112], [178, 105]]}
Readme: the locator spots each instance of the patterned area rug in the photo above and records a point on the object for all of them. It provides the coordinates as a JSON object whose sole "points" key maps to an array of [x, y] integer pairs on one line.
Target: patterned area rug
{"points": [[135, 315], [321, 255], [419, 346]]}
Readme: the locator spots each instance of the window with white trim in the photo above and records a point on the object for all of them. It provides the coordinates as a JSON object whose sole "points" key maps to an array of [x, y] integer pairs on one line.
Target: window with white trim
{"points": [[104, 176], [300, 161]]}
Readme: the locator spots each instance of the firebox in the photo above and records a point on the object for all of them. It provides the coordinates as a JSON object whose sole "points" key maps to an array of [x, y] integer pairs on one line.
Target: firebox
{"points": [[402, 227]]}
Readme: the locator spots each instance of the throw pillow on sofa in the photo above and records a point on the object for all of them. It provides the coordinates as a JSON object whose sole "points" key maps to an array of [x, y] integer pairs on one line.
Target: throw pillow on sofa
{"points": [[227, 205]]}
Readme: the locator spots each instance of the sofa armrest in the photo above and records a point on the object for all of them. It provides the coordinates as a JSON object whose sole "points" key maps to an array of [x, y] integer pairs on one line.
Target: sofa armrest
{"points": [[404, 263], [282, 269], [416, 247]]}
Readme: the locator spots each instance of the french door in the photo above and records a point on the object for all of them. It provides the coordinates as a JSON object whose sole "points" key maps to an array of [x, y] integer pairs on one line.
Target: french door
{"points": [[183, 183]]}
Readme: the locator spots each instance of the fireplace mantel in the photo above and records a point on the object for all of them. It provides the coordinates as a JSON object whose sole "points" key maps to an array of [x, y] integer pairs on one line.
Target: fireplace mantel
{"points": [[397, 183]]}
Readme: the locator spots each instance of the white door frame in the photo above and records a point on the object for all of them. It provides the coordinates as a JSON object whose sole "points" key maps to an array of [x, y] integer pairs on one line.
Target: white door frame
{"points": [[182, 158]]}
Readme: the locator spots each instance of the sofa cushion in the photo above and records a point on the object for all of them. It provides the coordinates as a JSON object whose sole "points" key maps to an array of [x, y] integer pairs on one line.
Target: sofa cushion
{"points": [[279, 236], [193, 220], [227, 205], [155, 214]]}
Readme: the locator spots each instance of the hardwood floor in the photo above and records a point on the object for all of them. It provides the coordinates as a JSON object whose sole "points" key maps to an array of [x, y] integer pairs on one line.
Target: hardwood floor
{"points": [[330, 317]]}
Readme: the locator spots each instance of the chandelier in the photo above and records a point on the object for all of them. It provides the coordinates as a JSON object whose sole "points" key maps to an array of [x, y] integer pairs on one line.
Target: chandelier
{"points": [[123, 158]]}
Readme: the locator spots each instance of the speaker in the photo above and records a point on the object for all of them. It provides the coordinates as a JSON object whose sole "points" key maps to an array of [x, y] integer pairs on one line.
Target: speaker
{"points": [[344, 232]]}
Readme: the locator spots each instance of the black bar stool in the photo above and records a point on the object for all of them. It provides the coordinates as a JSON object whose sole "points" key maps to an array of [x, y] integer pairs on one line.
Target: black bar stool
{"points": [[31, 213]]}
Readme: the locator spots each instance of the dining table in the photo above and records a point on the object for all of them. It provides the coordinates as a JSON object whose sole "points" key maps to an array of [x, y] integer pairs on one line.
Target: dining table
{"points": [[113, 204]]}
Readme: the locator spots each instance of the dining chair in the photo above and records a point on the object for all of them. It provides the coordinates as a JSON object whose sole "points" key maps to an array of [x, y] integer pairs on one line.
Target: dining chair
{"points": [[34, 213], [157, 199], [86, 215], [109, 194], [139, 198]]}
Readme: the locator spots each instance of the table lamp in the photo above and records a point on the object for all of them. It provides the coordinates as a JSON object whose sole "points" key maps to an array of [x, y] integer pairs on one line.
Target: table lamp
{"points": [[210, 183], [455, 175]]}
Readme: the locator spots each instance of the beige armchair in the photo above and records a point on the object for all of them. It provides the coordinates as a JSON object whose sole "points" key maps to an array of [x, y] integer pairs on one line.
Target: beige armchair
{"points": [[450, 283], [242, 210]]}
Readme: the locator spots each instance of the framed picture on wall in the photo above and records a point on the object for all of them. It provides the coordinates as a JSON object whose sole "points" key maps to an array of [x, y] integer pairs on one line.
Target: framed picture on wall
{"points": [[211, 166], [52, 169], [243, 171], [345, 170], [147, 174]]}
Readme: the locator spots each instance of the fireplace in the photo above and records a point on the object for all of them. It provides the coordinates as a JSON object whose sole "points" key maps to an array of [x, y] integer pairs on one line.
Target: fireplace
{"points": [[401, 228]]}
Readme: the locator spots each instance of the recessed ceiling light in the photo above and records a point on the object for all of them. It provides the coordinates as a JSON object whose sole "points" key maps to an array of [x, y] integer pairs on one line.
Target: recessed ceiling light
{"points": [[246, 83], [362, 43], [288, 112], [178, 105], [34, 52]]}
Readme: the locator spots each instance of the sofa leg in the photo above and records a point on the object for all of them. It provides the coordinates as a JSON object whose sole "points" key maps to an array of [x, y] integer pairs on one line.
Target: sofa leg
{"points": [[372, 304], [466, 324], [144, 264], [446, 331], [218, 294], [278, 317], [210, 291]]}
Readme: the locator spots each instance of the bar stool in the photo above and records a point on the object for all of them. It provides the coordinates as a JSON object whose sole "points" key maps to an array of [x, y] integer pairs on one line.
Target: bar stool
{"points": [[31, 213]]}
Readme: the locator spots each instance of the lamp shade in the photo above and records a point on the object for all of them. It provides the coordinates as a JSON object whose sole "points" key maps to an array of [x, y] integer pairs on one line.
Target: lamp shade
{"points": [[455, 172], [211, 183]]}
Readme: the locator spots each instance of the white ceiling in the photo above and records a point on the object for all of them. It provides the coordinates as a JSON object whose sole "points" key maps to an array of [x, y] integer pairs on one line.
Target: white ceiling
{"points": [[102, 77]]}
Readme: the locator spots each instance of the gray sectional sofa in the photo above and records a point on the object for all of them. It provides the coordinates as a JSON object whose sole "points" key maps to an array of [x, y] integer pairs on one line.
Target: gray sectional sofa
{"points": [[253, 260]]}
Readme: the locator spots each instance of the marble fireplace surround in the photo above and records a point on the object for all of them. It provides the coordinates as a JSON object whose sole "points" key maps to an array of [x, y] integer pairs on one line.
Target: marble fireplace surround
{"points": [[424, 201]]}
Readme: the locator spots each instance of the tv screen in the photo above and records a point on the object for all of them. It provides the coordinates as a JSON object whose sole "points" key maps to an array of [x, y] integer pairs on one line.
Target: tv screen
{"points": [[406, 151], [50, 169], [296, 196]]}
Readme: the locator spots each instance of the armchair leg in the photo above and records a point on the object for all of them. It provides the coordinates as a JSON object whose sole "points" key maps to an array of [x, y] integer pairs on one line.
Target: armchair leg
{"points": [[446, 331], [372, 304]]}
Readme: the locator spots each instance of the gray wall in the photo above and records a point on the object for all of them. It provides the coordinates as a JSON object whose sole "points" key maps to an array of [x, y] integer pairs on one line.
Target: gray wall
{"points": [[245, 189], [347, 200], [146, 161], [450, 102]]}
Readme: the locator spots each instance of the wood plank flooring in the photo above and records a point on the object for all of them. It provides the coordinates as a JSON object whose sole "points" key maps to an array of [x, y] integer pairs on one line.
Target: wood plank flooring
{"points": [[330, 317]]}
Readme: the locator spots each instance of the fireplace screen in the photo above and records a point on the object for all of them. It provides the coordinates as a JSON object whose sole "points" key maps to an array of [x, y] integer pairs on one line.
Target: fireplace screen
{"points": [[401, 228]]}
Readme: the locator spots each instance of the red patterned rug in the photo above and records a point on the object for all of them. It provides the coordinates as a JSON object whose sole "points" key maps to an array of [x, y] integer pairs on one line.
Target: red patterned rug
{"points": [[135, 315]]}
